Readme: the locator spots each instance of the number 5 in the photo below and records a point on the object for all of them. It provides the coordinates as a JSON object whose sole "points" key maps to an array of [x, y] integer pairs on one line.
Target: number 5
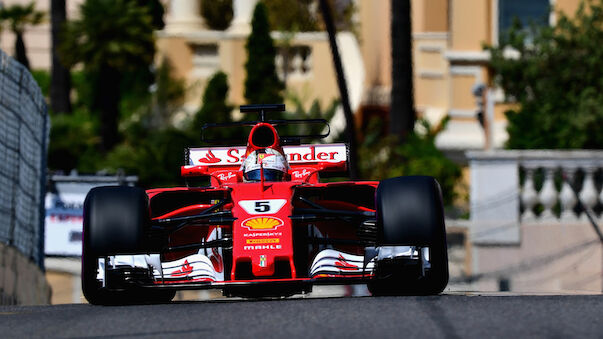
{"points": [[262, 206]]}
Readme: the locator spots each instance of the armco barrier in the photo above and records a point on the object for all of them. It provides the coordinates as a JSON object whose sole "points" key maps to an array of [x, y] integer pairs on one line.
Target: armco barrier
{"points": [[24, 127]]}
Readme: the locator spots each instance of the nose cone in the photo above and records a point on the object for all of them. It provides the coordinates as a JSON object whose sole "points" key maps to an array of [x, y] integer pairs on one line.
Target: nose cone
{"points": [[262, 265]]}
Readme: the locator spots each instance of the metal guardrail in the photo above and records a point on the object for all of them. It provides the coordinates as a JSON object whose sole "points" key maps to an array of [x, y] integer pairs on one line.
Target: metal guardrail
{"points": [[24, 128]]}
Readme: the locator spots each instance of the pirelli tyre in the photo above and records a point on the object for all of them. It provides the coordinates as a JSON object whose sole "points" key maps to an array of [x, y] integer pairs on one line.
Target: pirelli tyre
{"points": [[115, 221], [410, 212]]}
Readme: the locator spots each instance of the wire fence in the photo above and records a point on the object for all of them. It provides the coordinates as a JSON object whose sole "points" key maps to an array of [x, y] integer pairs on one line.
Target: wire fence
{"points": [[24, 128]]}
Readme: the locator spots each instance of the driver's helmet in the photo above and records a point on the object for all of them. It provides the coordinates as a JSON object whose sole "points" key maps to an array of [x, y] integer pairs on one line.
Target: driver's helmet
{"points": [[274, 163]]}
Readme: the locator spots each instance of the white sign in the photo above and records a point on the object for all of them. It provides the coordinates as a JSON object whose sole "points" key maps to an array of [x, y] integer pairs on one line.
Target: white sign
{"points": [[64, 217], [266, 206], [64, 204], [220, 156]]}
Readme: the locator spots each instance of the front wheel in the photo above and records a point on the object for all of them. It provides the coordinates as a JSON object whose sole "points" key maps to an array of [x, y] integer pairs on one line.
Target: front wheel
{"points": [[410, 213], [115, 221]]}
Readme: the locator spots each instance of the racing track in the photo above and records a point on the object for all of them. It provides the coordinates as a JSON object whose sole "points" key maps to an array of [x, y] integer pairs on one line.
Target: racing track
{"points": [[451, 316]]}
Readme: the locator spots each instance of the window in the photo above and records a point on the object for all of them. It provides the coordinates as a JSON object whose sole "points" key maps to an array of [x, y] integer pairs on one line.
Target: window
{"points": [[528, 12]]}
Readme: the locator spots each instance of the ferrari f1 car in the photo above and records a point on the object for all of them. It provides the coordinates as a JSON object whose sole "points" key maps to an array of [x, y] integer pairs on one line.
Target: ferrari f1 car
{"points": [[264, 226]]}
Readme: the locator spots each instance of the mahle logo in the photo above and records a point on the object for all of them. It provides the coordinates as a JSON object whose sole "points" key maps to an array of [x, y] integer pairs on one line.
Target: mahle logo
{"points": [[262, 223]]}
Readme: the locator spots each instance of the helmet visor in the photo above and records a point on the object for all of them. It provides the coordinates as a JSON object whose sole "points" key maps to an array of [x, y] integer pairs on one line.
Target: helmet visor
{"points": [[269, 175]]}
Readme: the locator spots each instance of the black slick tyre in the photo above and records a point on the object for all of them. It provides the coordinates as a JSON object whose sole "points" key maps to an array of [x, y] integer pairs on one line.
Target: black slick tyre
{"points": [[115, 221], [410, 212]]}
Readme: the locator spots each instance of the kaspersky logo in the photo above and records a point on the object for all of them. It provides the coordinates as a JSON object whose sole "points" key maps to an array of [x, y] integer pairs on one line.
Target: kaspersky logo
{"points": [[262, 223]]}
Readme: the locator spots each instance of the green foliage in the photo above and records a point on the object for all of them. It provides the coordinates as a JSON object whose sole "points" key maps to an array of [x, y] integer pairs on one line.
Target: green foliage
{"points": [[314, 112], [169, 93], [556, 81], [152, 148], [114, 41], [117, 33], [292, 15], [385, 157], [262, 85], [154, 155], [19, 16], [304, 15], [74, 138], [152, 106], [156, 10], [42, 77], [215, 109], [343, 14], [151, 151], [217, 13], [73, 141]]}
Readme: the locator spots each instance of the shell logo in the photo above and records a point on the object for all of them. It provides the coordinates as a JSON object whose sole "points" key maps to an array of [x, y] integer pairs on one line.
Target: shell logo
{"points": [[262, 223]]}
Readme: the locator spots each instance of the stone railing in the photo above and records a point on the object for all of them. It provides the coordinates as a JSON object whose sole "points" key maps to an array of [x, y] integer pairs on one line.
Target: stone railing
{"points": [[513, 187], [556, 173], [293, 61]]}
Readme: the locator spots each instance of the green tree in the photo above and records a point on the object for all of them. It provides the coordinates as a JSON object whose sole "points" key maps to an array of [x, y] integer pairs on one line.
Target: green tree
{"points": [[315, 111], [152, 147], [262, 85], [303, 15], [556, 81], [73, 139], [18, 17], [418, 155], [217, 13], [110, 38], [167, 94], [215, 108], [291, 15], [156, 10]]}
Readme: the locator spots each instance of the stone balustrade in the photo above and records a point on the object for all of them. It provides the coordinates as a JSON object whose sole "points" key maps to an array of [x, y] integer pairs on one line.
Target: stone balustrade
{"points": [[294, 61], [556, 173], [509, 188]]}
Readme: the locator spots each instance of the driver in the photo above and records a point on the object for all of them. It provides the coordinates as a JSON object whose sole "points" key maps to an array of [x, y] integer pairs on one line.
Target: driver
{"points": [[272, 161]]}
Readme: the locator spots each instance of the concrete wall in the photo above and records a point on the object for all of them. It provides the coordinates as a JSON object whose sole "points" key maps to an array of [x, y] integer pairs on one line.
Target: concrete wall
{"points": [[22, 282], [552, 258]]}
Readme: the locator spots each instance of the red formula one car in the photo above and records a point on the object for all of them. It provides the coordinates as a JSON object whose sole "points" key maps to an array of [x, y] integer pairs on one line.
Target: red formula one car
{"points": [[264, 226]]}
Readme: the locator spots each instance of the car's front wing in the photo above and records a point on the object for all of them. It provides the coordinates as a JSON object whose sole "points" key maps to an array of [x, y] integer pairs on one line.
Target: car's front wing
{"points": [[206, 270]]}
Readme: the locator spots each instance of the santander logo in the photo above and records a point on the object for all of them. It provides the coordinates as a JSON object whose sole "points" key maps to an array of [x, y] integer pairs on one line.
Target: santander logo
{"points": [[210, 158], [294, 154]]}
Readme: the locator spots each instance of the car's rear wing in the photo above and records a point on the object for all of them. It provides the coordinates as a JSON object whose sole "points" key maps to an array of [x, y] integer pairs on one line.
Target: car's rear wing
{"points": [[304, 160]]}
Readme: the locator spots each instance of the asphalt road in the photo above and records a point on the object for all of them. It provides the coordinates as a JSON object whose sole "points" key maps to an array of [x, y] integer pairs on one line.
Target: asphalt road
{"points": [[445, 316]]}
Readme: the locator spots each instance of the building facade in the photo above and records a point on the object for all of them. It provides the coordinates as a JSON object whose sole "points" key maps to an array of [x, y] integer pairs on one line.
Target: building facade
{"points": [[451, 76]]}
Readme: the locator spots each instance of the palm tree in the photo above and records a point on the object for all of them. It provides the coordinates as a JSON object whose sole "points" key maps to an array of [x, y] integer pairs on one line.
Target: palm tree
{"points": [[110, 38], [61, 79], [18, 16], [350, 129], [402, 111]]}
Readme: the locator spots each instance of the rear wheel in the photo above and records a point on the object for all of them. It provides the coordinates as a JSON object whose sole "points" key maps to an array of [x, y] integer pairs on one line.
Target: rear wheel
{"points": [[115, 222], [410, 213]]}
